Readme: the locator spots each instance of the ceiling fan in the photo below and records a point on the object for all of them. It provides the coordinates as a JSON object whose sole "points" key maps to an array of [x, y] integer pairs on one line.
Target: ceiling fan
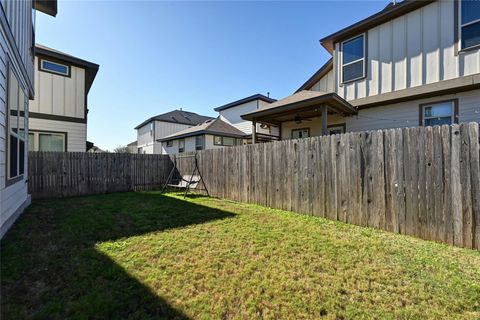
{"points": [[299, 119]]}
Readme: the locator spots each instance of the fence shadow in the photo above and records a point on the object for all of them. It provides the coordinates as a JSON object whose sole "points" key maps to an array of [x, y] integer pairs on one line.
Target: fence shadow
{"points": [[51, 269]]}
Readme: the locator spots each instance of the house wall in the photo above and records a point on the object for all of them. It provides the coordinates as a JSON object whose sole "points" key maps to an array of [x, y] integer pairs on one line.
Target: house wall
{"points": [[233, 116], [397, 115], [190, 145], [76, 132], [146, 141], [326, 83], [59, 95], [412, 50], [14, 197]]}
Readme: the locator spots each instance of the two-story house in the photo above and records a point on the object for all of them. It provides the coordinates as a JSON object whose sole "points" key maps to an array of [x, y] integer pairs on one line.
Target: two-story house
{"points": [[17, 39], [413, 63], [229, 129], [58, 114], [158, 127]]}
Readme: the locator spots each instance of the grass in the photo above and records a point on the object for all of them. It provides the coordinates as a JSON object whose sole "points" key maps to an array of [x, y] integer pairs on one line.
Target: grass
{"points": [[145, 255]]}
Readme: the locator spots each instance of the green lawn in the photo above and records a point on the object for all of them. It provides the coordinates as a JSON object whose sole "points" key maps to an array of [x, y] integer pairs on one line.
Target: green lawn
{"points": [[144, 255]]}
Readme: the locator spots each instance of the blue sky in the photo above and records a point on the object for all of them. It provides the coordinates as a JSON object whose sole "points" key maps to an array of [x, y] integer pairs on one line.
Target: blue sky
{"points": [[158, 56]]}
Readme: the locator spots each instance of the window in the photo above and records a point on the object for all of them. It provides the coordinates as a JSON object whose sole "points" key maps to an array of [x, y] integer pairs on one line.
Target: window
{"points": [[47, 141], [181, 145], [300, 133], [353, 59], [439, 113], [54, 67], [170, 144], [17, 103], [336, 129], [198, 142], [226, 141], [470, 23]]}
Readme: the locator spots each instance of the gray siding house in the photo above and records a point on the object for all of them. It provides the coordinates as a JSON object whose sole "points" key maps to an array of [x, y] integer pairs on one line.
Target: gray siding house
{"points": [[155, 128], [415, 63], [16, 87]]}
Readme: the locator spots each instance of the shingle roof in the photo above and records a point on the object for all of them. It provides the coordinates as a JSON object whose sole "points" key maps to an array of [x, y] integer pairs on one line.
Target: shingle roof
{"points": [[257, 96], [216, 126], [178, 116]]}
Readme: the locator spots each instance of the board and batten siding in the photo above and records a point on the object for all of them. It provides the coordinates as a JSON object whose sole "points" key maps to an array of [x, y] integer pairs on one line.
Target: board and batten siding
{"points": [[59, 95], [326, 83], [415, 49], [76, 132], [14, 197]]}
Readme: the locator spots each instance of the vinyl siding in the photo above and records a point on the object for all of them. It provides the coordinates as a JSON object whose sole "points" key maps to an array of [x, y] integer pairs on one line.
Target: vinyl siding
{"points": [[412, 50], [59, 95], [14, 196], [76, 132], [162, 129]]}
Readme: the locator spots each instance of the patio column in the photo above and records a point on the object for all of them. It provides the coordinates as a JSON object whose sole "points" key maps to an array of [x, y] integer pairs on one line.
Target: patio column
{"points": [[324, 120], [254, 132]]}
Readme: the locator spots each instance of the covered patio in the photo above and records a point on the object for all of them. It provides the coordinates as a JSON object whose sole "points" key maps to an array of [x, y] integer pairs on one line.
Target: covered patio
{"points": [[304, 105]]}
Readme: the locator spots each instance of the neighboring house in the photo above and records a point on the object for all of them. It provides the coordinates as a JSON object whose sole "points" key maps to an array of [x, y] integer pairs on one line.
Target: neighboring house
{"points": [[155, 128], [231, 113], [17, 40], [413, 63], [58, 114], [132, 147], [213, 133]]}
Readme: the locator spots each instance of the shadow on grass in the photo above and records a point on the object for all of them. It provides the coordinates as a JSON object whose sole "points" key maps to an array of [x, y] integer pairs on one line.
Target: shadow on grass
{"points": [[51, 270]]}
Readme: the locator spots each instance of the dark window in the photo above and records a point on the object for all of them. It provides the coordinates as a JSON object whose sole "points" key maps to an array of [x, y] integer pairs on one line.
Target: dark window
{"points": [[336, 129], [470, 23], [353, 59], [17, 104], [170, 143], [226, 141], [54, 67], [199, 143], [181, 145], [300, 133]]}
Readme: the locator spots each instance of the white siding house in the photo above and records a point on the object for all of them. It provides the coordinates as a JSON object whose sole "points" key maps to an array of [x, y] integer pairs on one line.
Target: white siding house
{"points": [[58, 114], [413, 63], [16, 87], [155, 128]]}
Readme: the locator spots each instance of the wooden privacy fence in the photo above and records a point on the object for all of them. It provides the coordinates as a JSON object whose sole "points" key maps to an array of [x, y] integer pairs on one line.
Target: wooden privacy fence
{"points": [[66, 174], [420, 181]]}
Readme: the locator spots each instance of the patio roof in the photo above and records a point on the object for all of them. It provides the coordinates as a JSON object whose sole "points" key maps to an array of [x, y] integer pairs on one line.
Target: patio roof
{"points": [[305, 103]]}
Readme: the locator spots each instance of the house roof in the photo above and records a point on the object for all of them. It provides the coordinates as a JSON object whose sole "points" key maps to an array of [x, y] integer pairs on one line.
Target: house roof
{"points": [[300, 101], [390, 12], [46, 6], [178, 116], [245, 100], [317, 76], [215, 127], [91, 68]]}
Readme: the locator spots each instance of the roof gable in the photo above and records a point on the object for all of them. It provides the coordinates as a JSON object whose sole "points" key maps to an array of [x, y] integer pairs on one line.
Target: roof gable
{"points": [[178, 116], [245, 100]]}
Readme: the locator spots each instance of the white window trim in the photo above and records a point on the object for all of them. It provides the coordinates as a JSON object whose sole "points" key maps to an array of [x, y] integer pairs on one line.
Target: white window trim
{"points": [[452, 113], [460, 26], [364, 74], [67, 74]]}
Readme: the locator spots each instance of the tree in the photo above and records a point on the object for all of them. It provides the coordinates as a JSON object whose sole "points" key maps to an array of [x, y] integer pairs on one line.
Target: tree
{"points": [[121, 149]]}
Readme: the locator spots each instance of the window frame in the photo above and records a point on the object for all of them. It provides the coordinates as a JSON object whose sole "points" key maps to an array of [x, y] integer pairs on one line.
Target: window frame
{"points": [[339, 125], [455, 110], [181, 150], [9, 180], [54, 61], [36, 141], [169, 143], [235, 141], [299, 129], [364, 69], [460, 28], [202, 146]]}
